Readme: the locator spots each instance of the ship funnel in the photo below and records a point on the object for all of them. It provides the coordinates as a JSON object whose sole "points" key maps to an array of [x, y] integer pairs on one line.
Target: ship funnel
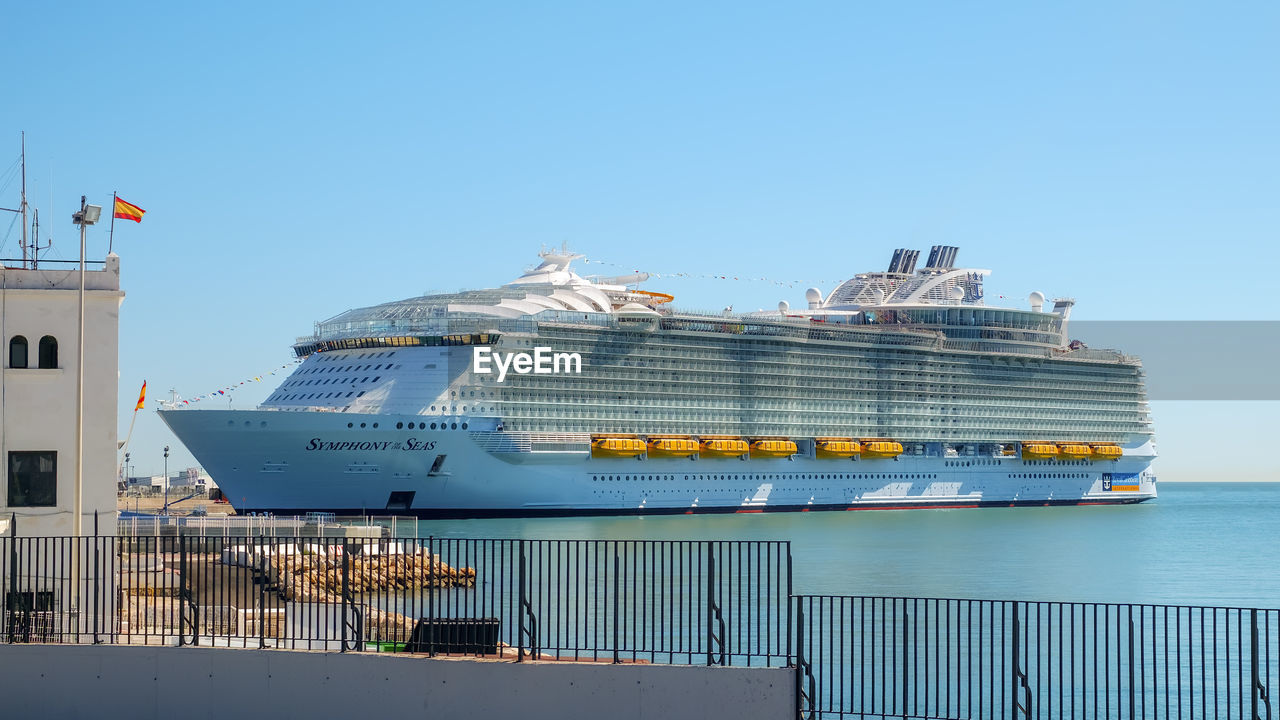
{"points": [[942, 257], [904, 261]]}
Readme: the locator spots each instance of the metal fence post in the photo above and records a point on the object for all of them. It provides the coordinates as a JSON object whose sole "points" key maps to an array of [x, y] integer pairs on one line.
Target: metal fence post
{"points": [[1258, 691], [182, 591], [10, 605], [1133, 698], [805, 696], [97, 582], [617, 618], [799, 654], [712, 609], [261, 615], [906, 656], [429, 629], [1017, 676], [346, 590]]}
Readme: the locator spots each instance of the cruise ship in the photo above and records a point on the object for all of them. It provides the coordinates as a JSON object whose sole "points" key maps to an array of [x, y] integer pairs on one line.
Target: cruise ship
{"points": [[558, 394]]}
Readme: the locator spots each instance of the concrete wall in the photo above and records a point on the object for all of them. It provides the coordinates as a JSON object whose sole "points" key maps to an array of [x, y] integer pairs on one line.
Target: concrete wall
{"points": [[38, 406], [68, 681]]}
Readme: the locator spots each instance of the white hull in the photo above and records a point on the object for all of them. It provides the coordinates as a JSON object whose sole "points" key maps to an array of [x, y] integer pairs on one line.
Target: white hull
{"points": [[294, 462]]}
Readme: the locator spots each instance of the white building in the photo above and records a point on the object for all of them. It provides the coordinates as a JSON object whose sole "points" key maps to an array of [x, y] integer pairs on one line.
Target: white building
{"points": [[39, 311]]}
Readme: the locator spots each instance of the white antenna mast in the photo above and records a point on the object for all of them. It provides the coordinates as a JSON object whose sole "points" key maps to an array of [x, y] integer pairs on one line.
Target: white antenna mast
{"points": [[23, 207]]}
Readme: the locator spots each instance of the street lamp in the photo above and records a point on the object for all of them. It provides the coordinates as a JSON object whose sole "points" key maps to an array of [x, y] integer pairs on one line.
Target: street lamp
{"points": [[166, 479], [86, 216]]}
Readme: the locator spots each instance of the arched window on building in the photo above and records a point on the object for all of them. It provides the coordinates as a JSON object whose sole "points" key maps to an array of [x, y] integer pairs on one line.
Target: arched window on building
{"points": [[48, 352], [18, 352]]}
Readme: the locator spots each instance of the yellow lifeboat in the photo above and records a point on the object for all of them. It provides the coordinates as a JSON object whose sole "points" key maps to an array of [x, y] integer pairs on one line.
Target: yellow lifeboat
{"points": [[1039, 451], [616, 447], [1007, 450], [837, 447], [1074, 451], [723, 447], [1106, 451], [881, 448], [672, 446], [773, 448]]}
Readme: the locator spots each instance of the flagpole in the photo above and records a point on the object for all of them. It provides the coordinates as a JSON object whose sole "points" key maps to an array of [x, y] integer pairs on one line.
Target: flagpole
{"points": [[125, 447], [111, 238]]}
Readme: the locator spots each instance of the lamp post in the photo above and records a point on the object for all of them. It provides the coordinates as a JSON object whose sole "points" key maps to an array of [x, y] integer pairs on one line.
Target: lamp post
{"points": [[166, 479], [86, 216]]}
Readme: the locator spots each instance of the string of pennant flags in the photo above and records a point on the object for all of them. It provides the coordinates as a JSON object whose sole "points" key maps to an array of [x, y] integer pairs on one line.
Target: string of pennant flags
{"points": [[822, 284], [717, 276], [223, 392]]}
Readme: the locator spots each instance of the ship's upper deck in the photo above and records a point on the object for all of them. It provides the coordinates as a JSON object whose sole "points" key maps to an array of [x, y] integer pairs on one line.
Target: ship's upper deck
{"points": [[937, 305]]}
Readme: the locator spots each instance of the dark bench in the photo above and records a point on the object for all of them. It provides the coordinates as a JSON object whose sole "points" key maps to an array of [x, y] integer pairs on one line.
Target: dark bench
{"points": [[472, 636]]}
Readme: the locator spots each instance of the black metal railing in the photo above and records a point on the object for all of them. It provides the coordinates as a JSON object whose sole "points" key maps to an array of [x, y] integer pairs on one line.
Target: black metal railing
{"points": [[687, 602], [713, 602], [872, 657]]}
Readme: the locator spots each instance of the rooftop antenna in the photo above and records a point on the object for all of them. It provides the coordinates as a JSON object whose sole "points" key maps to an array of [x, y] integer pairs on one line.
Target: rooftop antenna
{"points": [[22, 206], [35, 239]]}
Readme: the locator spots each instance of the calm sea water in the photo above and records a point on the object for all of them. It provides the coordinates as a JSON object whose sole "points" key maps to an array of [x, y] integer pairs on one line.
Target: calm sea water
{"points": [[1198, 543]]}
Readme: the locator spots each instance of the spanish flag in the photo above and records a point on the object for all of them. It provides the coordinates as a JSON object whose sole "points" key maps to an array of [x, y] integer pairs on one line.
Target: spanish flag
{"points": [[128, 211], [142, 396]]}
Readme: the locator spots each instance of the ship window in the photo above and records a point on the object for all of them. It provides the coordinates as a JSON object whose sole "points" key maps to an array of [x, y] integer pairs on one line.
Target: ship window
{"points": [[400, 425], [48, 352], [33, 478], [361, 424], [18, 352], [360, 395], [464, 426], [433, 426]]}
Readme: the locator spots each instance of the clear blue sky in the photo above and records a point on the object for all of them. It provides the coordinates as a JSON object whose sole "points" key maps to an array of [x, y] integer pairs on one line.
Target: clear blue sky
{"points": [[300, 159]]}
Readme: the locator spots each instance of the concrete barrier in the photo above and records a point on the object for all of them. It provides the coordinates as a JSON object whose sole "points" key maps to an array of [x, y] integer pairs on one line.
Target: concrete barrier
{"points": [[79, 681]]}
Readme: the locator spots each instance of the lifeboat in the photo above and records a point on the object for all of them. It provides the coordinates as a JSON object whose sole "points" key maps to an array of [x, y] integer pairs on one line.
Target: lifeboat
{"points": [[837, 447], [1007, 450], [617, 447], [1039, 451], [1074, 451], [723, 447], [773, 448], [672, 446], [881, 448], [1106, 451]]}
